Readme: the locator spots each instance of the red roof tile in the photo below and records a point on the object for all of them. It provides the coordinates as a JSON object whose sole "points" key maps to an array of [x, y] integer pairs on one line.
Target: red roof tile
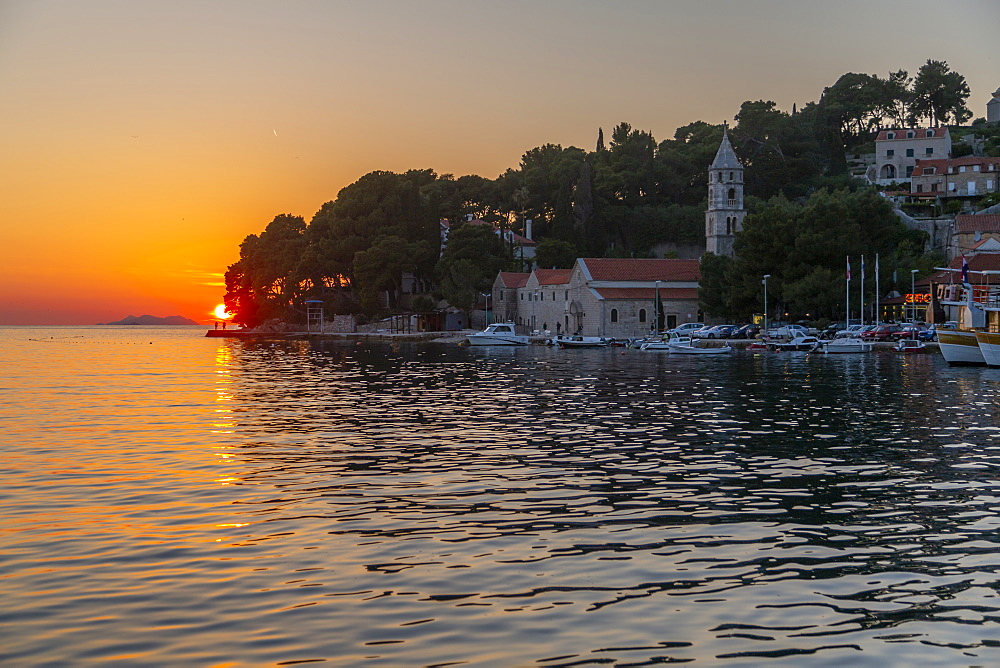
{"points": [[613, 269], [966, 223], [553, 276], [512, 279], [919, 133], [941, 165], [977, 263], [647, 293]]}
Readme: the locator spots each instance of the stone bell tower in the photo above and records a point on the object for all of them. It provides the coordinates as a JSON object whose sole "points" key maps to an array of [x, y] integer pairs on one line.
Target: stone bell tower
{"points": [[724, 217]]}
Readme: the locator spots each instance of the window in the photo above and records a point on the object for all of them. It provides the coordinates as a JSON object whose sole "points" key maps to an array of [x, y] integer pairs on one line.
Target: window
{"points": [[890, 153], [933, 187], [975, 168], [614, 315], [962, 169], [909, 153], [541, 297], [642, 315], [522, 296], [909, 171], [891, 135], [930, 133], [929, 150], [911, 134], [730, 176], [501, 295], [566, 296], [920, 188], [928, 170]]}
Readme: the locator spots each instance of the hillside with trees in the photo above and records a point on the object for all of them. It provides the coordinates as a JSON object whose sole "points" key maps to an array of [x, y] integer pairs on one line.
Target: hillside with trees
{"points": [[624, 198]]}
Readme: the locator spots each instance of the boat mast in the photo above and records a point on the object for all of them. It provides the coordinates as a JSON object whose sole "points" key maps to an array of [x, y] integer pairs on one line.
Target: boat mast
{"points": [[847, 288]]}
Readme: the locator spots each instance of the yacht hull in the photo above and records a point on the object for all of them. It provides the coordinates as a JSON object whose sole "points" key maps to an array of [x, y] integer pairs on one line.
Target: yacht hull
{"points": [[989, 346], [960, 348]]}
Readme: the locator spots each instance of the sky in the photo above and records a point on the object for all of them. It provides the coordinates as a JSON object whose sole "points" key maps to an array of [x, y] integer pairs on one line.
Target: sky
{"points": [[143, 141]]}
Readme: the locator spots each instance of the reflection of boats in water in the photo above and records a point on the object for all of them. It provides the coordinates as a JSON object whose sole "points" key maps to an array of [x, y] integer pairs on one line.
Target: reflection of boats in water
{"points": [[578, 341], [909, 346], [498, 334], [844, 346]]}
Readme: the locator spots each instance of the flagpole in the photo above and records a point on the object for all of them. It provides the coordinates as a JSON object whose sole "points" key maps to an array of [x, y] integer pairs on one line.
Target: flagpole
{"points": [[847, 288], [876, 290], [862, 290]]}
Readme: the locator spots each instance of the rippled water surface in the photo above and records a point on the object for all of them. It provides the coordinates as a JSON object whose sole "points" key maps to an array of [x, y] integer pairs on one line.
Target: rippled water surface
{"points": [[172, 499]]}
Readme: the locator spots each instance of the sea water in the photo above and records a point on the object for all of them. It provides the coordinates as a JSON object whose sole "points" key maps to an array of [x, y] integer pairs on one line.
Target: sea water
{"points": [[174, 499]]}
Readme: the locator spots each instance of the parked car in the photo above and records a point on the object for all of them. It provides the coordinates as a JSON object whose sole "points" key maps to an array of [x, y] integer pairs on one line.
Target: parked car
{"points": [[912, 330], [714, 332], [686, 328], [929, 334], [882, 333], [830, 331], [747, 332]]}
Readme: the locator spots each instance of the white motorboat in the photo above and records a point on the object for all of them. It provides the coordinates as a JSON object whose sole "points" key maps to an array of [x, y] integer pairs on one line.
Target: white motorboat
{"points": [[845, 346], [578, 341], [498, 334], [798, 343], [909, 346], [684, 345]]}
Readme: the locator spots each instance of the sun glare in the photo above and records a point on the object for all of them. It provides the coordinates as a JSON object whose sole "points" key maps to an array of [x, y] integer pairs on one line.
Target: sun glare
{"points": [[221, 313]]}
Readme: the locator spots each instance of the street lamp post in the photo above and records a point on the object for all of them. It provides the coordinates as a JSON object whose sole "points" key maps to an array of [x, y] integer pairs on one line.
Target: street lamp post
{"points": [[766, 276], [656, 309], [913, 297], [486, 310]]}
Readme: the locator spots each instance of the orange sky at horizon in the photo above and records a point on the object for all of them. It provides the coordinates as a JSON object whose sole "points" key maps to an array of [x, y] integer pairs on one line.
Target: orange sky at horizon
{"points": [[144, 141]]}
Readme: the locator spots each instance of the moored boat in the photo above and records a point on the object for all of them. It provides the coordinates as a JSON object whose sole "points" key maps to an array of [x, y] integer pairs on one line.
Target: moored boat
{"points": [[909, 346], [844, 346], [799, 343], [960, 347], [685, 345], [989, 347], [498, 334], [578, 341]]}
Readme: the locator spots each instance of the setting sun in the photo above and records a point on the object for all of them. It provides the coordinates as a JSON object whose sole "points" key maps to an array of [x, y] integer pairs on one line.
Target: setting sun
{"points": [[221, 313]]}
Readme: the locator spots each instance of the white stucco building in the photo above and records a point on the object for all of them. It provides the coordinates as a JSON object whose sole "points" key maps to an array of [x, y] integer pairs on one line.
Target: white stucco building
{"points": [[601, 297], [897, 151]]}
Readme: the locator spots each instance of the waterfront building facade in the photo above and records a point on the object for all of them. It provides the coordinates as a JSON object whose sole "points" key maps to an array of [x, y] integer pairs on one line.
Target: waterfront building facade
{"points": [[602, 297]]}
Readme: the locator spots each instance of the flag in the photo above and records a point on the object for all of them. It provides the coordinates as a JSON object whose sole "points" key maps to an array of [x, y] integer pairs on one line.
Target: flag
{"points": [[848, 268], [862, 267], [965, 272]]}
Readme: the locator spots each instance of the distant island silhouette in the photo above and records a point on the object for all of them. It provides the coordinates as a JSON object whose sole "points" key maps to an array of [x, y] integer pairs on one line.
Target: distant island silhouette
{"points": [[151, 320]]}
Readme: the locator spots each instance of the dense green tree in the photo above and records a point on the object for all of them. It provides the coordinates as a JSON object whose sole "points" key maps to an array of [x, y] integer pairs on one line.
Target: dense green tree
{"points": [[264, 282], [803, 247], [470, 263], [380, 268], [555, 254], [940, 94]]}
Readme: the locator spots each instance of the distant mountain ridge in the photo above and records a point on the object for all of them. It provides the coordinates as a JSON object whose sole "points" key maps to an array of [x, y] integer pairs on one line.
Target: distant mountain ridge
{"points": [[152, 320]]}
